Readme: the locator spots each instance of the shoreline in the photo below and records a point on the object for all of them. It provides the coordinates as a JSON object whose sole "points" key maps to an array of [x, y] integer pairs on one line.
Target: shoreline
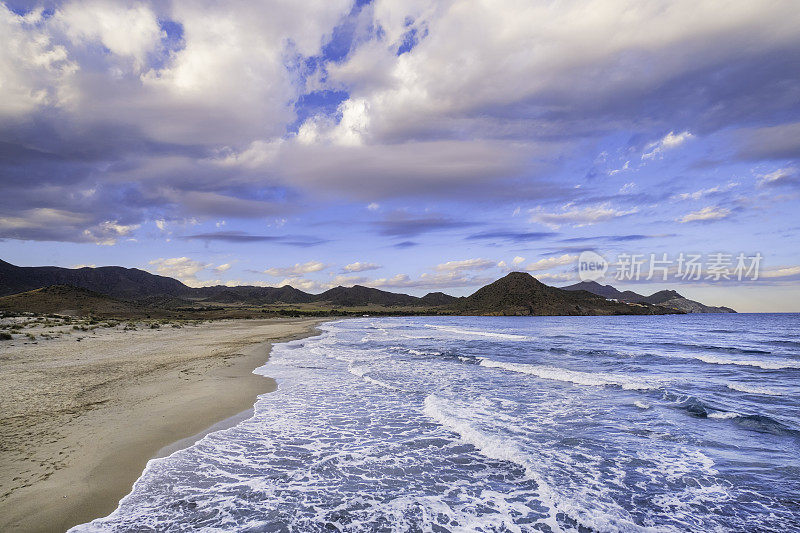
{"points": [[85, 423]]}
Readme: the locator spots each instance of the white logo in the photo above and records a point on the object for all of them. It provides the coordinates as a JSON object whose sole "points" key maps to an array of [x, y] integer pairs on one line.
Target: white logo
{"points": [[591, 266]]}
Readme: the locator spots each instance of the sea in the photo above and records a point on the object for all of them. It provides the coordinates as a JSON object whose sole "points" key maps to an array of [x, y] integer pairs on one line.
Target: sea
{"points": [[494, 424]]}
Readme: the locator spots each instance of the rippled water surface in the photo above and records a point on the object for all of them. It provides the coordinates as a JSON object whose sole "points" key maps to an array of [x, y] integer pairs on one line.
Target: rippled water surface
{"points": [[669, 423]]}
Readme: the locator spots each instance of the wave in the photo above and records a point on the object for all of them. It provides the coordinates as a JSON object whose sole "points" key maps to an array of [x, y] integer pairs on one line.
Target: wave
{"points": [[766, 424], [793, 344], [716, 348], [560, 509], [361, 372], [751, 389], [592, 379], [778, 364], [494, 335], [756, 422]]}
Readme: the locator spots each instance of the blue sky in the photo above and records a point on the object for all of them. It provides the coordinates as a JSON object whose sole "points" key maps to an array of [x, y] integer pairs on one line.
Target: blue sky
{"points": [[411, 146]]}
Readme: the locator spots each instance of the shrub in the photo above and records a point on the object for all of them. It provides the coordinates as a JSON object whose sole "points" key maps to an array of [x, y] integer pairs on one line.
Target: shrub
{"points": [[5, 336]]}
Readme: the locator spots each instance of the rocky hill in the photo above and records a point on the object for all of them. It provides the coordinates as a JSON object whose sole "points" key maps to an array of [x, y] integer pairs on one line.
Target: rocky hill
{"points": [[519, 293], [67, 300], [666, 298], [117, 282]]}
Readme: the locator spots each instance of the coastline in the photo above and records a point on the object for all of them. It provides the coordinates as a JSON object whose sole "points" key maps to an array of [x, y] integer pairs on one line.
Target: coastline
{"points": [[81, 420]]}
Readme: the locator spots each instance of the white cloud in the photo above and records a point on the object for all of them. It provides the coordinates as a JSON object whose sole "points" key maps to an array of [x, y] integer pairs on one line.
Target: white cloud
{"points": [[668, 142], [781, 175], [181, 268], [627, 188], [780, 272], [373, 206], [297, 282], [707, 213], [696, 195], [616, 171], [360, 267], [35, 71], [435, 281], [222, 268], [578, 217], [551, 262], [467, 264], [548, 276], [107, 233], [297, 269], [130, 31]]}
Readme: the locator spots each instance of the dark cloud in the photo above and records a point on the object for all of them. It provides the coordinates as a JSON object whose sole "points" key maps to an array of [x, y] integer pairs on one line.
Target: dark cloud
{"points": [[243, 237], [512, 236], [402, 225], [616, 238], [775, 142]]}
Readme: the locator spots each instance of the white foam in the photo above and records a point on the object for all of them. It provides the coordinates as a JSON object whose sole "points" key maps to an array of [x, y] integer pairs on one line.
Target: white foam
{"points": [[493, 447], [766, 365], [361, 372], [494, 335], [723, 415], [752, 389], [595, 379], [641, 405]]}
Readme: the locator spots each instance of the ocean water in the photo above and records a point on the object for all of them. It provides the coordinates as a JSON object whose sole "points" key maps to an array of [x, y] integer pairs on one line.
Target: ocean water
{"points": [[656, 423]]}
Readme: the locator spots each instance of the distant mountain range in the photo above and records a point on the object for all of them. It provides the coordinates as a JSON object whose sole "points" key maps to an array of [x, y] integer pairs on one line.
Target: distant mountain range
{"points": [[517, 293], [667, 298]]}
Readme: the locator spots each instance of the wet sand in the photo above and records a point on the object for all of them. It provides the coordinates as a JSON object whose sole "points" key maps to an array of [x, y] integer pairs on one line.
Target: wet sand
{"points": [[80, 420]]}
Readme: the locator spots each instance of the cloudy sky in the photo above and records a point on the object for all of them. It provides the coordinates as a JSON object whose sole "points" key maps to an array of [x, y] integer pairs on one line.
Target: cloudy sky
{"points": [[407, 145]]}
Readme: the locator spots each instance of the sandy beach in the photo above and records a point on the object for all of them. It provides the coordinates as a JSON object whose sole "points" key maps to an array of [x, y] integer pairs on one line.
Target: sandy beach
{"points": [[80, 419]]}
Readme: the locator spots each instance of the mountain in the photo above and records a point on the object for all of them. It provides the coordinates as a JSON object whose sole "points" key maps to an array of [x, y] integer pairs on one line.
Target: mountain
{"points": [[117, 282], [68, 300], [360, 295], [519, 293], [135, 290], [438, 298], [248, 294], [666, 298]]}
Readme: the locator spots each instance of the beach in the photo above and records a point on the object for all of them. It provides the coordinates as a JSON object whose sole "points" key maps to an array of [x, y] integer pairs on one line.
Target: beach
{"points": [[79, 419]]}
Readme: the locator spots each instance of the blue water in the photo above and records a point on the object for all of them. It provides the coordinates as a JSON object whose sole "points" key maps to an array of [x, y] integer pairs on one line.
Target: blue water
{"points": [[656, 423]]}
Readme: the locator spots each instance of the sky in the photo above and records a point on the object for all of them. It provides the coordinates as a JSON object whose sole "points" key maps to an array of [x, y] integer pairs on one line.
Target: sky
{"points": [[406, 145]]}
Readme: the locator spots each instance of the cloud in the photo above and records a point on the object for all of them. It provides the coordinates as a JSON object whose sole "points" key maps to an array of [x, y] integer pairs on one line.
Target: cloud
{"points": [[186, 270], [222, 268], [551, 262], [782, 176], [361, 267], [618, 238], [467, 264], [298, 269], [197, 109], [549, 276], [373, 206], [783, 272], [772, 142], [514, 236], [131, 31], [696, 195], [435, 281], [578, 217], [401, 224], [234, 236], [36, 71], [668, 142], [706, 214]]}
